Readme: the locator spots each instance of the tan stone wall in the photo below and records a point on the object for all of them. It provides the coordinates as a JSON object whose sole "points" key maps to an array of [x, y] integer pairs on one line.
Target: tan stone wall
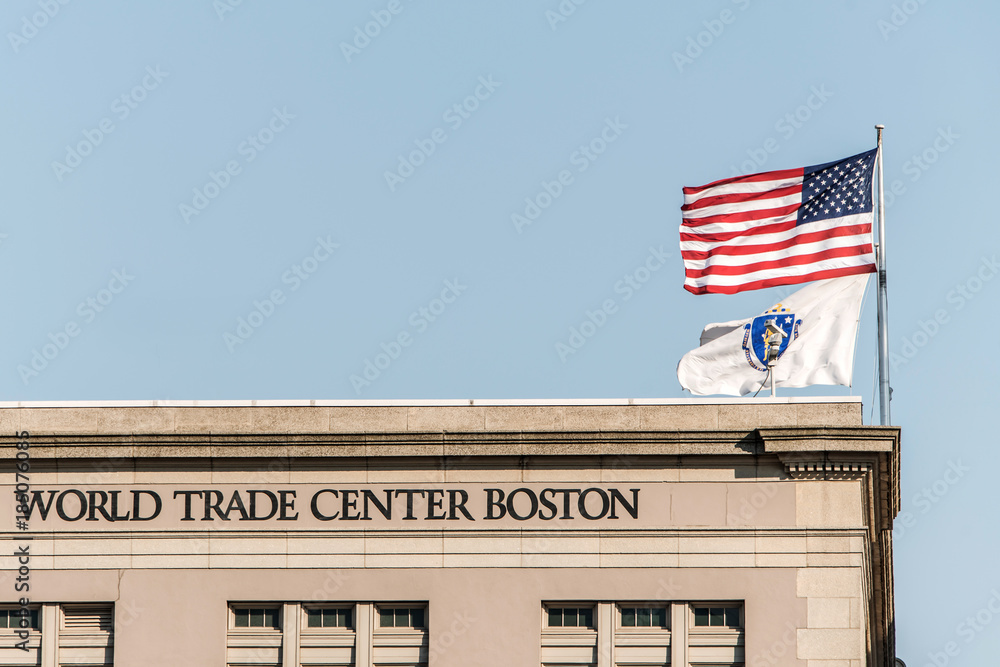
{"points": [[734, 520]]}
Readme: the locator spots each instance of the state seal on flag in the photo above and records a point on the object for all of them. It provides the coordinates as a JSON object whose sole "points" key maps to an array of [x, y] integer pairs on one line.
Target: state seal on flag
{"points": [[755, 335]]}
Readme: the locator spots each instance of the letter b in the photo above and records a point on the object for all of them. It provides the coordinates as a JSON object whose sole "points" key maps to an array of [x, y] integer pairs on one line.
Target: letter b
{"points": [[51, 7], [382, 16], [221, 178], [597, 317], [359, 35], [426, 146], [554, 188], [714, 26], [265, 307], [939, 659], [60, 339], [693, 50], [405, 168], [930, 327], [94, 136], [758, 155], [393, 349], [28, 29], [371, 373]]}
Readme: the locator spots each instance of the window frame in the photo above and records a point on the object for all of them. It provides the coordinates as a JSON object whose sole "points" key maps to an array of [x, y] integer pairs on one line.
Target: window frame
{"points": [[306, 607], [13, 611], [277, 607], [621, 606], [692, 619], [377, 626], [572, 604]]}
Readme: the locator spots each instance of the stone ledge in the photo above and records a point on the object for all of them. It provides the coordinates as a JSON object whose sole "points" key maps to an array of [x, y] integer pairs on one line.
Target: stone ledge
{"points": [[237, 417]]}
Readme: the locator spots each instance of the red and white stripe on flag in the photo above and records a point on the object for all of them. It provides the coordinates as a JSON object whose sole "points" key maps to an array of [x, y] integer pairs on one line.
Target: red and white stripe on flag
{"points": [[779, 227]]}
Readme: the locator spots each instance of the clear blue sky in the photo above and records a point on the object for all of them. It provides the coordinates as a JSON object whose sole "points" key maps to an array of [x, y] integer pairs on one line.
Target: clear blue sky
{"points": [[169, 169]]}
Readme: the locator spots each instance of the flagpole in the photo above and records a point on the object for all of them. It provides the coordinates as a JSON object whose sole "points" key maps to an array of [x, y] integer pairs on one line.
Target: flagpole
{"points": [[885, 393]]}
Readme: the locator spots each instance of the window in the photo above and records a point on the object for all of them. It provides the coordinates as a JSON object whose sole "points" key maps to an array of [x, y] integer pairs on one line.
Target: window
{"points": [[568, 634], [716, 635], [255, 634], [87, 630], [330, 618], [336, 634], [11, 618], [401, 617], [571, 617], [643, 617], [330, 634], [717, 617], [643, 633], [256, 617]]}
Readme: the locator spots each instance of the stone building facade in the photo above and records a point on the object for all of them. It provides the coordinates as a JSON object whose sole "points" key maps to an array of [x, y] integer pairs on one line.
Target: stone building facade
{"points": [[451, 533]]}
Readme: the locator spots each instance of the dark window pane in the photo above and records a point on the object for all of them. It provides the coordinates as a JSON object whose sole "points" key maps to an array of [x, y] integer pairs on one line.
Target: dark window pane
{"points": [[417, 617], [242, 618], [344, 618], [717, 616], [642, 619], [701, 616], [271, 618], [34, 619], [386, 618], [256, 618], [569, 618], [586, 618], [402, 618], [733, 617], [314, 618], [660, 617], [3, 618], [628, 617], [555, 618]]}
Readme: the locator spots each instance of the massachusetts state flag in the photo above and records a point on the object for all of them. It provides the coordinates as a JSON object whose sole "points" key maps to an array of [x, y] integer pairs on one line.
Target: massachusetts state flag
{"points": [[779, 227]]}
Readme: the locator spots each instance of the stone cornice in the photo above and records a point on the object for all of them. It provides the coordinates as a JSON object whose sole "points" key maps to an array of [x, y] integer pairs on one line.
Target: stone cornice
{"points": [[802, 449]]}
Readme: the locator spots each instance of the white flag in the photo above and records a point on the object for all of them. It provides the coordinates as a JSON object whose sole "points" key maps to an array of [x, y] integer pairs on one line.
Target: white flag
{"points": [[819, 323]]}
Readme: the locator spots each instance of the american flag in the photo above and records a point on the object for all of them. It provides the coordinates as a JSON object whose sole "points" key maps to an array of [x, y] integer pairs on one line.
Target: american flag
{"points": [[779, 227]]}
